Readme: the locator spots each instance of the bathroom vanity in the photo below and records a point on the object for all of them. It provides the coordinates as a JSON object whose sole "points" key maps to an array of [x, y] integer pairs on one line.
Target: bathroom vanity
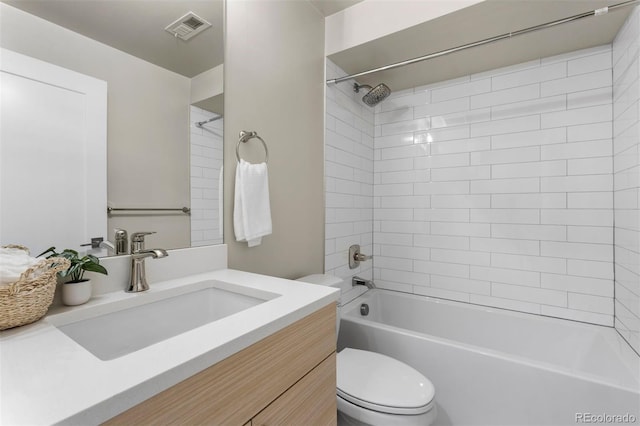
{"points": [[265, 355], [286, 378]]}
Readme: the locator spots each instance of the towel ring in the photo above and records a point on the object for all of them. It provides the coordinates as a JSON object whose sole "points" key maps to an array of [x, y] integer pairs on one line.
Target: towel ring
{"points": [[244, 137]]}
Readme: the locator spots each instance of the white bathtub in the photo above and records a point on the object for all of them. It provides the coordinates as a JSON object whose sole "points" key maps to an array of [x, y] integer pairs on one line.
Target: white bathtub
{"points": [[497, 367]]}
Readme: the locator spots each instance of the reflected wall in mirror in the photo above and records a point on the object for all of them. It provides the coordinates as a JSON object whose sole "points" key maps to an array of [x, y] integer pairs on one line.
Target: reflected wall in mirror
{"points": [[158, 87]]}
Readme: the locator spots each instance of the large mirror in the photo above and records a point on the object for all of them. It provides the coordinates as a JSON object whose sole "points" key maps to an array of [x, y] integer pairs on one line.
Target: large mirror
{"points": [[164, 117]]}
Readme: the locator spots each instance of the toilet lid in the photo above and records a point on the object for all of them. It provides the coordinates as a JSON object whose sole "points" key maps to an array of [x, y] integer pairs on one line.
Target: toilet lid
{"points": [[381, 383]]}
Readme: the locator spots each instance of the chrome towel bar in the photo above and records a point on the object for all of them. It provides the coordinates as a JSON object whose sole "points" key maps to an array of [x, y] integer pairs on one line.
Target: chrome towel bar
{"points": [[185, 210]]}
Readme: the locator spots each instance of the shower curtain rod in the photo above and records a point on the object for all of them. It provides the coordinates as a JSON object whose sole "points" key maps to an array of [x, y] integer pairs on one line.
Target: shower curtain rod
{"points": [[201, 123], [596, 12]]}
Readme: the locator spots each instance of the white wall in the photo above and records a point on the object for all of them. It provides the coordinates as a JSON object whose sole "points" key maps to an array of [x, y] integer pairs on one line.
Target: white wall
{"points": [[348, 173], [207, 84], [496, 188], [274, 85], [206, 166], [626, 162]]}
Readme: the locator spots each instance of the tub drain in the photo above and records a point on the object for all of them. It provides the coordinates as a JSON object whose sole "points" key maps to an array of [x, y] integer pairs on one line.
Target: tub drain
{"points": [[364, 309]]}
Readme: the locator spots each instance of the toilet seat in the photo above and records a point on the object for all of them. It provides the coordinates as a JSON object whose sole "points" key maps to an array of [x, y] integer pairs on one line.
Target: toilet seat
{"points": [[380, 383]]}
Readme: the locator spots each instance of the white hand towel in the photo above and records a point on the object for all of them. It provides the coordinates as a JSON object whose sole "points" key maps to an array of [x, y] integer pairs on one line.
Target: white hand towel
{"points": [[251, 211], [13, 262]]}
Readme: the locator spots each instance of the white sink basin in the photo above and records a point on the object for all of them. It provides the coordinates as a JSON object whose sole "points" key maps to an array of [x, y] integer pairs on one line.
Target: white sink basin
{"points": [[130, 328]]}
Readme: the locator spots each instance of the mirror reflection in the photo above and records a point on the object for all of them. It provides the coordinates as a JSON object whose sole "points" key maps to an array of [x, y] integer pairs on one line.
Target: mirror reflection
{"points": [[160, 166]]}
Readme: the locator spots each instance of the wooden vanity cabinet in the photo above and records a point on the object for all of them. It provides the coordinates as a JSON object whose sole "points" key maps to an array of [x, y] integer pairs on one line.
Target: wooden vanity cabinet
{"points": [[311, 401], [286, 378]]}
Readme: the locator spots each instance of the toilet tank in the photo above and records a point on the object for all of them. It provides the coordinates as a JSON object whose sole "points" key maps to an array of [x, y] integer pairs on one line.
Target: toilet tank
{"points": [[327, 280]]}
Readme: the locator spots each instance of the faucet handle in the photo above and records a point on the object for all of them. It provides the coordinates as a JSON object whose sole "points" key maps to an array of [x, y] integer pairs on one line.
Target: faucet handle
{"points": [[361, 257], [138, 237], [355, 257], [137, 241]]}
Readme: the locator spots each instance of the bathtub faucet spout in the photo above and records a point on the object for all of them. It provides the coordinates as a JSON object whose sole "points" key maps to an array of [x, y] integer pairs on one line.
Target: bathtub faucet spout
{"points": [[361, 281]]}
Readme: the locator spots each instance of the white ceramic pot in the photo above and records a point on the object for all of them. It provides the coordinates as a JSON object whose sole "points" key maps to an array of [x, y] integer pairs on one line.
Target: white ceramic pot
{"points": [[76, 293]]}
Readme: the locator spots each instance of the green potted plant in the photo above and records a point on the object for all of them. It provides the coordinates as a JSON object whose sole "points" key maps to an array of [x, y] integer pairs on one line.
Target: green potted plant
{"points": [[76, 289]]}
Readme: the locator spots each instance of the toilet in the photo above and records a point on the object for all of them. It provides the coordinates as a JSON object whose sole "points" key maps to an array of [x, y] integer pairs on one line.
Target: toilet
{"points": [[375, 389]]}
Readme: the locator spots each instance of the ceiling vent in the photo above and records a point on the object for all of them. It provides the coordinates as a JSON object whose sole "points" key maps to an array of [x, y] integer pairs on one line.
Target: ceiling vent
{"points": [[187, 26]]}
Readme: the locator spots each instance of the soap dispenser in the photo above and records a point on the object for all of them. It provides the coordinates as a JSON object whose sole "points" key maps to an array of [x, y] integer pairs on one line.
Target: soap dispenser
{"points": [[121, 240]]}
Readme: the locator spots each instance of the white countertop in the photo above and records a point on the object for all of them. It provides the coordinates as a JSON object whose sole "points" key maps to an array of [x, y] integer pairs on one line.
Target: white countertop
{"points": [[47, 378]]}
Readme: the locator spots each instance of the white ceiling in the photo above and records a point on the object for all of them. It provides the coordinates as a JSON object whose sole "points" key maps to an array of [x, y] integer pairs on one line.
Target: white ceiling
{"points": [[137, 27], [478, 22]]}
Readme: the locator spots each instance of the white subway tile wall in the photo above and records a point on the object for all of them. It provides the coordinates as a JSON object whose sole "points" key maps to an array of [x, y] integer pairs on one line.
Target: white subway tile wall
{"points": [[626, 165], [349, 175], [495, 188], [206, 166]]}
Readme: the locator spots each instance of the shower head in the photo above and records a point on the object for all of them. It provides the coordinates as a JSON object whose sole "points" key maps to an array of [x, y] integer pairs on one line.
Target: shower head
{"points": [[375, 95]]}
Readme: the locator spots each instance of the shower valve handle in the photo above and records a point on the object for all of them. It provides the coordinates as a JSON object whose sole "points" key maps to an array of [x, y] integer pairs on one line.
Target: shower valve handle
{"points": [[355, 257], [361, 257]]}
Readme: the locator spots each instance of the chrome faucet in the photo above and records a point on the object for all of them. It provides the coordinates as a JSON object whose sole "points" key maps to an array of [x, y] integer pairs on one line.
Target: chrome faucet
{"points": [[361, 281], [108, 245], [138, 280]]}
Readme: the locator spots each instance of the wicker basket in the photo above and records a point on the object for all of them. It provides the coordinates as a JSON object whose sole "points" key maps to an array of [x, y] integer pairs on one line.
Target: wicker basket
{"points": [[27, 300]]}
